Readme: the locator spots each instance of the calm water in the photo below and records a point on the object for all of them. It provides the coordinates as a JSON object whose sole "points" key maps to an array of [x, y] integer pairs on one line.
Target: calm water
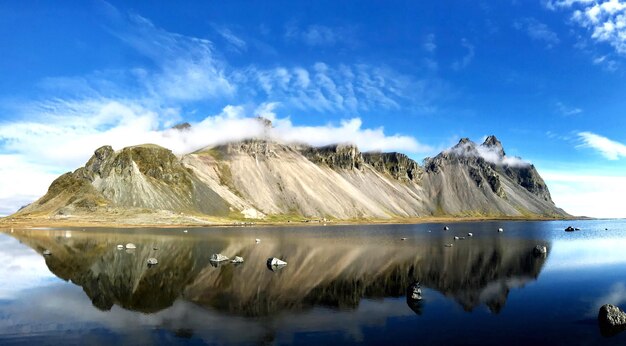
{"points": [[341, 284]]}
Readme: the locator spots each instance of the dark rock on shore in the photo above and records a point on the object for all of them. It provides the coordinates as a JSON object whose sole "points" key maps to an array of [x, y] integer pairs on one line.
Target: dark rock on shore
{"points": [[612, 320]]}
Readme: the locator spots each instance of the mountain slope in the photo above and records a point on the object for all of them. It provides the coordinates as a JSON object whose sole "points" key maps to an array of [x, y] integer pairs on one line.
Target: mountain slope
{"points": [[261, 179]]}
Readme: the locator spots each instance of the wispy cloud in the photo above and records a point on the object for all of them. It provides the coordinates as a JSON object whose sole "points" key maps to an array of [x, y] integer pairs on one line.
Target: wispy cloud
{"points": [[467, 59], [346, 88], [235, 42], [604, 19], [430, 44], [319, 35], [537, 31], [566, 110], [610, 149]]}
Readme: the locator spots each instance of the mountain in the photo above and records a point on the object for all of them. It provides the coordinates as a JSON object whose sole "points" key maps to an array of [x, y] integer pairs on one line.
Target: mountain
{"points": [[264, 179]]}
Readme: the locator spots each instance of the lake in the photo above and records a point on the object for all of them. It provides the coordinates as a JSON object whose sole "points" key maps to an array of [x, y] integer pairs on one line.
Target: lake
{"points": [[342, 284]]}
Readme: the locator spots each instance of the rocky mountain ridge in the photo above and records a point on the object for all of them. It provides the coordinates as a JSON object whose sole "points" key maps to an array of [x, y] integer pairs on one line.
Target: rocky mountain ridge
{"points": [[264, 179]]}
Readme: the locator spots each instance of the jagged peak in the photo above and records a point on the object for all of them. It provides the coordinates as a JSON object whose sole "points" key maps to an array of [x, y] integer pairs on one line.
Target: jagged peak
{"points": [[493, 143]]}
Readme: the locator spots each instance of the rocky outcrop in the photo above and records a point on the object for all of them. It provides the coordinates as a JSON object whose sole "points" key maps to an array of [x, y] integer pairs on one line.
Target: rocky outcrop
{"points": [[397, 165], [338, 156], [471, 179]]}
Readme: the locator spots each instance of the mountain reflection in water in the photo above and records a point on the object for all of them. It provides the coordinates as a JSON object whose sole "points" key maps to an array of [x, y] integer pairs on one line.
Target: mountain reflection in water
{"points": [[330, 271]]}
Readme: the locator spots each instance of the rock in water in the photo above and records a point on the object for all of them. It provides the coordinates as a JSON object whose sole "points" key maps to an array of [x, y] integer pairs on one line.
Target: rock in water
{"points": [[275, 262], [130, 246], [47, 253], [611, 319], [218, 257], [152, 261], [237, 259], [540, 250]]}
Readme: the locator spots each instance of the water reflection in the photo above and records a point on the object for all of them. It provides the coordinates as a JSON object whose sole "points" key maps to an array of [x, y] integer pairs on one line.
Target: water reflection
{"points": [[336, 272]]}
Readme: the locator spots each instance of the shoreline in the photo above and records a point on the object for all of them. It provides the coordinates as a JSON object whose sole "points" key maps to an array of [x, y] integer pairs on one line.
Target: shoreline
{"points": [[32, 224]]}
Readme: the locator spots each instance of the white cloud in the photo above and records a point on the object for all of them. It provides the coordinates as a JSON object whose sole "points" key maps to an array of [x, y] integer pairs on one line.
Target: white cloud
{"points": [[537, 31], [610, 149], [587, 194], [566, 110], [605, 19], [489, 154], [467, 59]]}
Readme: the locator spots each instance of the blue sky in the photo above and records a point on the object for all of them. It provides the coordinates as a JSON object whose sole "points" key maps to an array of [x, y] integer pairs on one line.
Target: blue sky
{"points": [[546, 77]]}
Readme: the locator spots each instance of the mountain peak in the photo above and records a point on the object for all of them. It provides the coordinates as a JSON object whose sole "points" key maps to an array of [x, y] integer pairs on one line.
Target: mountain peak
{"points": [[494, 144]]}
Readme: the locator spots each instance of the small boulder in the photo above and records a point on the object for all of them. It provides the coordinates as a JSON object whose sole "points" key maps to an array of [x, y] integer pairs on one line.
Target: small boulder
{"points": [[540, 250], [611, 319], [237, 259], [275, 262], [152, 261], [218, 257]]}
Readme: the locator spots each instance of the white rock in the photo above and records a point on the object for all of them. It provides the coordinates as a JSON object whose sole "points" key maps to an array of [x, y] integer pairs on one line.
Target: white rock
{"points": [[130, 246], [152, 261], [218, 257], [237, 259], [275, 262]]}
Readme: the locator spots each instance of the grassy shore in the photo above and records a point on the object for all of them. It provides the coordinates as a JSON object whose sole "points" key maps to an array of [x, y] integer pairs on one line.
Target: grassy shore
{"points": [[144, 221]]}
